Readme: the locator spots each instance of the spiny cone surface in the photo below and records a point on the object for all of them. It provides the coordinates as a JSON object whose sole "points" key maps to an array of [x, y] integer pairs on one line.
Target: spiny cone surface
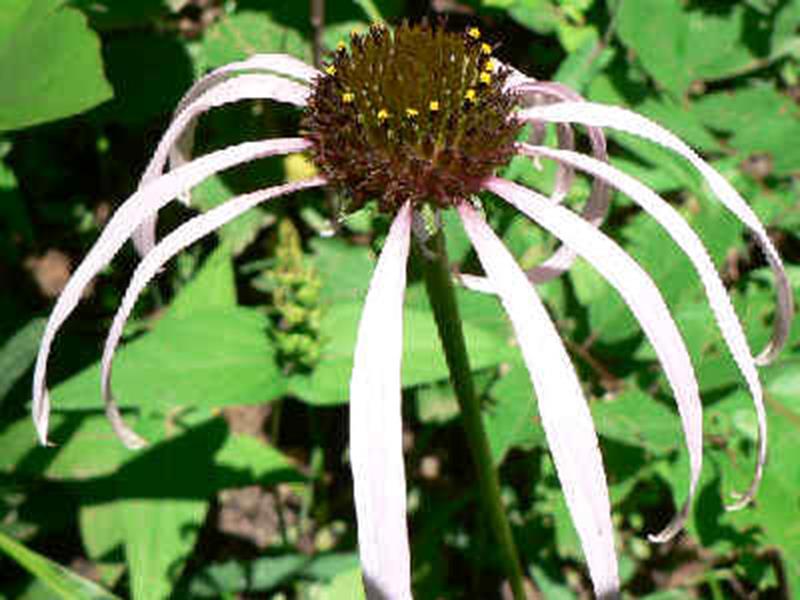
{"points": [[416, 115]]}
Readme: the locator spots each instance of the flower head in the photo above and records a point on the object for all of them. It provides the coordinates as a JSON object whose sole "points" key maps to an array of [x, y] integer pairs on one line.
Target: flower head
{"points": [[402, 117], [420, 119]]}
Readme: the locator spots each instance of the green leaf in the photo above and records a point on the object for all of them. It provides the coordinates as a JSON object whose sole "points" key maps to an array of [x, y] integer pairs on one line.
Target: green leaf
{"points": [[541, 16], [775, 508], [244, 33], [264, 574], [209, 358], [18, 354], [50, 63], [346, 586], [64, 583], [760, 120], [344, 269], [512, 419], [213, 287], [636, 419], [674, 60], [423, 360]]}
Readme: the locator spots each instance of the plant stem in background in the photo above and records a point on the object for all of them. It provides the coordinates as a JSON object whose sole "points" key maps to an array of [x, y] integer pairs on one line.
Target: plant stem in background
{"points": [[441, 294]]}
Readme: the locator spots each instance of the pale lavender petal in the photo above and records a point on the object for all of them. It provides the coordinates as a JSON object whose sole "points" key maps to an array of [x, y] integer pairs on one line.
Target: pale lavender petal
{"points": [[376, 431], [172, 244], [533, 93], [280, 64], [644, 300], [690, 243], [180, 131], [598, 115], [565, 175], [144, 202], [565, 415]]}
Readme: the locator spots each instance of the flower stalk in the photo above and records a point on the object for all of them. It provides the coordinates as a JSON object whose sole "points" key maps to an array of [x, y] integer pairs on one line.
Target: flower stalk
{"points": [[441, 294]]}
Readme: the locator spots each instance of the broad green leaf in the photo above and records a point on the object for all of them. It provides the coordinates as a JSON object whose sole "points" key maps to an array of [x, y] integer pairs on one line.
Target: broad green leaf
{"points": [[238, 234], [583, 64], [759, 120], [346, 586], [344, 269], [637, 419], [641, 26], [674, 59], [784, 31], [239, 35], [423, 360], [264, 574], [619, 87], [775, 508], [50, 63], [213, 287], [209, 358], [541, 16], [61, 581], [18, 354], [160, 512], [511, 419]]}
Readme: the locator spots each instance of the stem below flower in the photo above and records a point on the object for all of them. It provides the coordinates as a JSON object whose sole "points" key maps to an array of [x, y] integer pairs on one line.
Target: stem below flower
{"points": [[441, 294]]}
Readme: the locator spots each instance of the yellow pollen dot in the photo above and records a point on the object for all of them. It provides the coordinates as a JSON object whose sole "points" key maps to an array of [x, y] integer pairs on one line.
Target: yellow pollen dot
{"points": [[330, 70], [348, 97], [489, 66], [411, 112], [474, 33], [486, 48], [341, 46], [470, 96], [383, 114], [434, 105], [485, 78]]}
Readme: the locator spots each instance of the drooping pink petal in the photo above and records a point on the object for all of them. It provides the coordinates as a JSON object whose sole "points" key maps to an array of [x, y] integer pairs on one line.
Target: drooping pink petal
{"points": [[565, 415], [280, 64], [598, 115], [535, 93], [181, 130], [690, 243], [644, 300], [144, 202], [376, 447], [172, 244]]}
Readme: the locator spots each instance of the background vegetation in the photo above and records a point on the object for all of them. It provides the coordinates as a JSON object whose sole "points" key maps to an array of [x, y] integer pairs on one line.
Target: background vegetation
{"points": [[237, 363]]}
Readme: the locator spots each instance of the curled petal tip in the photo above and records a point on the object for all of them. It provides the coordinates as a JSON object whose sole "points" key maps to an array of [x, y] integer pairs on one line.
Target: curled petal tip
{"points": [[741, 500], [126, 435]]}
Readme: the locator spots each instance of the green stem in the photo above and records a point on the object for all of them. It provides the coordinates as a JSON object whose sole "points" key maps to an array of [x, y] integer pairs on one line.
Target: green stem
{"points": [[441, 294]]}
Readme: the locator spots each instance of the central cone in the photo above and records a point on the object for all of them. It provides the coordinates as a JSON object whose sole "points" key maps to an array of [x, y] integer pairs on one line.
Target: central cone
{"points": [[416, 115]]}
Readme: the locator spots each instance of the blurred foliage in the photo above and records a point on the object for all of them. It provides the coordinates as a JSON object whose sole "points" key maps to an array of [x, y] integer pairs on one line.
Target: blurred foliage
{"points": [[263, 320]]}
